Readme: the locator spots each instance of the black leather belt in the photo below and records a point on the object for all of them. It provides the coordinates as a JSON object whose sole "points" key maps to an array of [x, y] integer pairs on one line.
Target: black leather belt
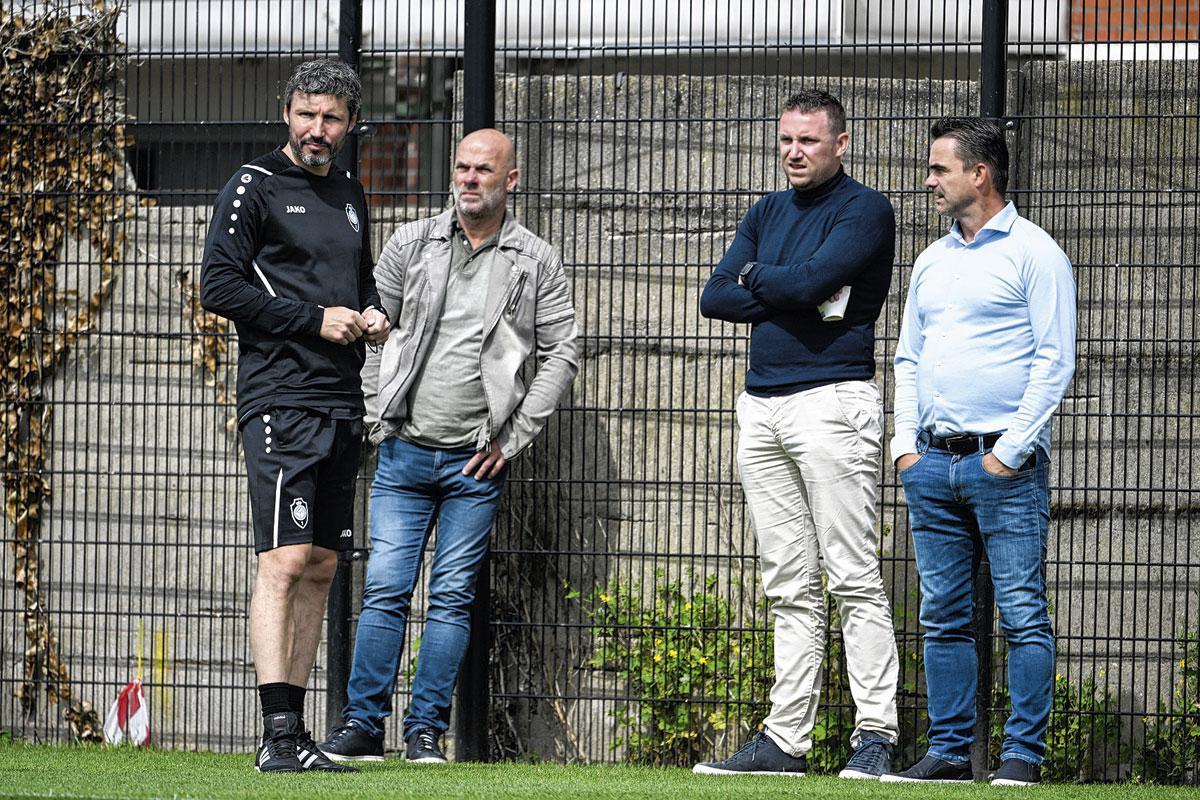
{"points": [[963, 444]]}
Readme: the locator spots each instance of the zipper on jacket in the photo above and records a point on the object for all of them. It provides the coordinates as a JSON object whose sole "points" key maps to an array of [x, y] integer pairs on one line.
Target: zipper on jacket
{"points": [[515, 296]]}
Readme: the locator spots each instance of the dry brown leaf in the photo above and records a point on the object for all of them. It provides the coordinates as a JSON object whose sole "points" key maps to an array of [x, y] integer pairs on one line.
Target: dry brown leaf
{"points": [[44, 78]]}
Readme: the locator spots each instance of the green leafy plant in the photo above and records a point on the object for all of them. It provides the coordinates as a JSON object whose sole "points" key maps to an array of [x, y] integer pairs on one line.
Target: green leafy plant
{"points": [[410, 672], [911, 702], [699, 681], [695, 674], [1171, 752], [1082, 737]]}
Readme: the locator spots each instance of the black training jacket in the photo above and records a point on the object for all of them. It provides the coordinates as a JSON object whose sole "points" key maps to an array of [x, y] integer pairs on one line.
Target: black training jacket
{"points": [[284, 244]]}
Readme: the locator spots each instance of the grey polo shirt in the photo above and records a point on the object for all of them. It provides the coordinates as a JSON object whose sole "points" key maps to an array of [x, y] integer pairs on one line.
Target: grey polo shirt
{"points": [[446, 404]]}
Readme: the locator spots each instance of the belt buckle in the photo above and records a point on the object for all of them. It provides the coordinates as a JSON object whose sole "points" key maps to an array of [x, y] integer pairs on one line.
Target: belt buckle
{"points": [[962, 445]]}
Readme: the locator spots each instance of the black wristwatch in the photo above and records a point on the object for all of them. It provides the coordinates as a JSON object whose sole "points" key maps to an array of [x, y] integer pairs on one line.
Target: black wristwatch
{"points": [[746, 271]]}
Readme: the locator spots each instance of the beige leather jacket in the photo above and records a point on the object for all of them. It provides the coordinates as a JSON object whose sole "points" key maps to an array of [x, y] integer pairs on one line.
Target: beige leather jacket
{"points": [[527, 312]]}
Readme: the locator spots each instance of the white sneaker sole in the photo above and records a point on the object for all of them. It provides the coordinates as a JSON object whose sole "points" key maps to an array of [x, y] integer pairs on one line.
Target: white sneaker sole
{"points": [[341, 758], [427, 760], [902, 779], [1011, 782], [704, 769], [855, 775]]}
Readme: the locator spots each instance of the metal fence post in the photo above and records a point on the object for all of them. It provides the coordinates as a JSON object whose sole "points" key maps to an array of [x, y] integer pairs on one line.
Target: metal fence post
{"points": [[479, 65], [992, 74], [338, 645], [479, 111]]}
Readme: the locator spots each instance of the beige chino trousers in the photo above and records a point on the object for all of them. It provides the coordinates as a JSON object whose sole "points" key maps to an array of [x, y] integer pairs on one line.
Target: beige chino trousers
{"points": [[810, 466]]}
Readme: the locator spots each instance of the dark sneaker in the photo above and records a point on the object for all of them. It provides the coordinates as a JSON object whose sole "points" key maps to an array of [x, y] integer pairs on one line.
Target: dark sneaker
{"points": [[759, 756], [351, 743], [1015, 772], [931, 769], [277, 753], [422, 747], [311, 757], [872, 758]]}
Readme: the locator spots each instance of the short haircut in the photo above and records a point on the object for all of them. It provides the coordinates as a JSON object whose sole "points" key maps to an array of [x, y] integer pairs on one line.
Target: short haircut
{"points": [[977, 141], [326, 76], [807, 101]]}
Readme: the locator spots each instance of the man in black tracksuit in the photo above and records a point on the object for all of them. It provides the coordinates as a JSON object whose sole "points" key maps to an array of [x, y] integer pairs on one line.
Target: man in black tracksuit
{"points": [[288, 260]]}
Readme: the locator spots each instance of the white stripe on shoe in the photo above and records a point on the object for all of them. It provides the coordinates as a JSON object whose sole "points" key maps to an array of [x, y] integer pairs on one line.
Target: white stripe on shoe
{"points": [[339, 757]]}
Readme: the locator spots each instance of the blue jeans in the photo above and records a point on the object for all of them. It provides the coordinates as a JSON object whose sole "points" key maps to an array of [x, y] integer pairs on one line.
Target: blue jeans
{"points": [[414, 488], [952, 504]]}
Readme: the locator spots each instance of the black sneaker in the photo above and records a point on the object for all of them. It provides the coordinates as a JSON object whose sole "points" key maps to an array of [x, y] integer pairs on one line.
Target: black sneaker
{"points": [[277, 753], [931, 769], [311, 757], [422, 747], [1015, 772], [351, 743], [759, 756], [872, 758]]}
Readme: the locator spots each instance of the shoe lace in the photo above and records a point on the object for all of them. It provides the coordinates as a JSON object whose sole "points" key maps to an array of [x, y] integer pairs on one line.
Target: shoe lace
{"points": [[869, 755], [426, 740], [339, 733], [750, 748], [281, 747]]}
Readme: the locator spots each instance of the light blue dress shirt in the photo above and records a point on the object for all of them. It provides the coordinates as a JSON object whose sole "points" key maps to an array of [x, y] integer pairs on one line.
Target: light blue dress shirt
{"points": [[988, 338]]}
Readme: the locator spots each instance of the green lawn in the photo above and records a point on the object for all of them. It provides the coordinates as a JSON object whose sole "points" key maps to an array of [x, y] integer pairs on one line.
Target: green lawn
{"points": [[34, 771]]}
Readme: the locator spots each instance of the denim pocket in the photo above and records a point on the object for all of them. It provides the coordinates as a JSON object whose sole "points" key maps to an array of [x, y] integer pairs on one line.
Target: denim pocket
{"points": [[912, 466], [1026, 468]]}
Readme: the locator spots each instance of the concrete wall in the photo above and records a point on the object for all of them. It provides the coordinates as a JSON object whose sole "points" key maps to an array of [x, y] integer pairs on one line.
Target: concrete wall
{"points": [[641, 181]]}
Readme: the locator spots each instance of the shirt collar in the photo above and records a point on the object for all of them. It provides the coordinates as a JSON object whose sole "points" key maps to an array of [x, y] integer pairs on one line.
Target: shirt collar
{"points": [[999, 225], [510, 234], [459, 235]]}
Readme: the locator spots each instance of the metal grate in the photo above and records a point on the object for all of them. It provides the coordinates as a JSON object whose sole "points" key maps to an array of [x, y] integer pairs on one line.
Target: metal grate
{"points": [[645, 130]]}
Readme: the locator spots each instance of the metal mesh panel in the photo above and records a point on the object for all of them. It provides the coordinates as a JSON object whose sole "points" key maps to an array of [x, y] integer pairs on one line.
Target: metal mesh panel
{"points": [[645, 131]]}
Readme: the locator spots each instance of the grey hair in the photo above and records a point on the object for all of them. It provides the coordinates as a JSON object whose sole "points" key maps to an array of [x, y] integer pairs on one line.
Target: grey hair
{"points": [[326, 76]]}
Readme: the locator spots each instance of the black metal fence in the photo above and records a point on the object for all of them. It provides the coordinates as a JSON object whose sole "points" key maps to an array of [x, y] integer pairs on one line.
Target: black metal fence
{"points": [[626, 614]]}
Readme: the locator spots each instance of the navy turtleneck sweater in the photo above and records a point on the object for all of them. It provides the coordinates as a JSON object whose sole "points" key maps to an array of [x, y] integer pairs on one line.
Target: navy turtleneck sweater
{"points": [[807, 245]]}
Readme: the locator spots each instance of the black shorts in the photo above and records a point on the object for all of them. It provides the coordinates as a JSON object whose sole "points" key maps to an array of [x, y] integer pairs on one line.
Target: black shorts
{"points": [[302, 465]]}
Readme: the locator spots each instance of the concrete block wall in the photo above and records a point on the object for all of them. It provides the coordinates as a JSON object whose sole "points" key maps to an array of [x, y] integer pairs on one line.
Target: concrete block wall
{"points": [[641, 182]]}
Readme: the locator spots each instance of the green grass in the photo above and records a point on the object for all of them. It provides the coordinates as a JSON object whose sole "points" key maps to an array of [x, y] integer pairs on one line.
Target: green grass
{"points": [[37, 771]]}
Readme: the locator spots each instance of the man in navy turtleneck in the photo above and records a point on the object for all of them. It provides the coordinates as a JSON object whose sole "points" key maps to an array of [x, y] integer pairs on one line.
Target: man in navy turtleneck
{"points": [[810, 445]]}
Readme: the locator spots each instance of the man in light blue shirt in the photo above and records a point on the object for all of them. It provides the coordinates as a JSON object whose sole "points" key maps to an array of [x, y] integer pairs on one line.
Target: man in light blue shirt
{"points": [[986, 352]]}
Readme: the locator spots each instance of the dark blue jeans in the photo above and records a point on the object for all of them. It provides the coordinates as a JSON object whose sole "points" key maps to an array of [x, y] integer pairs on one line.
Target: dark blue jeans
{"points": [[415, 488], [953, 503]]}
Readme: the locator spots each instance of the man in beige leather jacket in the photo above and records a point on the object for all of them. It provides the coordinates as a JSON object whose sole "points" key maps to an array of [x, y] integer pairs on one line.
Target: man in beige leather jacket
{"points": [[474, 295]]}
